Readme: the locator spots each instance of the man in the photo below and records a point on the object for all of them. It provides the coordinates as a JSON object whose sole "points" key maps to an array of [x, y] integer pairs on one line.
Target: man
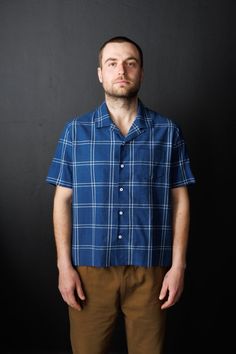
{"points": [[121, 211]]}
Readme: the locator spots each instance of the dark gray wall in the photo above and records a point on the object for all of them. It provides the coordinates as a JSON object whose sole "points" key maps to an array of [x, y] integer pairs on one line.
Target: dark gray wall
{"points": [[48, 59]]}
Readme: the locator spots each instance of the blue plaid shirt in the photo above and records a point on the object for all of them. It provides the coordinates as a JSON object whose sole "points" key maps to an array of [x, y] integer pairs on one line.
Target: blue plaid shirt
{"points": [[121, 205]]}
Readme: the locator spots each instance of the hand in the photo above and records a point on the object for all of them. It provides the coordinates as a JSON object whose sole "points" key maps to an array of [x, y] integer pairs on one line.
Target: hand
{"points": [[70, 287], [172, 287]]}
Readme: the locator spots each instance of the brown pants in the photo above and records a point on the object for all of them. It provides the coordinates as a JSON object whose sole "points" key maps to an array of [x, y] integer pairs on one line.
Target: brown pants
{"points": [[134, 290]]}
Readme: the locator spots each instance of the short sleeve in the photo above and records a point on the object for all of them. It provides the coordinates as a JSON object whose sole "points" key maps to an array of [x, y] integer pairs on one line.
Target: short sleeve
{"points": [[60, 172], [181, 173]]}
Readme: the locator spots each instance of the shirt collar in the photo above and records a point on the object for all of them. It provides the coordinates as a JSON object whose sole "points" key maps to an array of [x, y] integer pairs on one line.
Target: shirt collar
{"points": [[143, 118]]}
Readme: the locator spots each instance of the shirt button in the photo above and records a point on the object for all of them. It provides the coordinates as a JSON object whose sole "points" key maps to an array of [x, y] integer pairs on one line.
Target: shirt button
{"points": [[120, 237], [122, 165], [121, 189], [121, 212]]}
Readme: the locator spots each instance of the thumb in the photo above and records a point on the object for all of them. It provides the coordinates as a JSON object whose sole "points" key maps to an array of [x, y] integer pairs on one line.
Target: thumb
{"points": [[163, 292], [80, 292]]}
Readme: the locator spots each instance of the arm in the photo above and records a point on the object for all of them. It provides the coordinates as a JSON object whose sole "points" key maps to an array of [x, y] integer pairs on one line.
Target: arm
{"points": [[69, 281], [173, 282]]}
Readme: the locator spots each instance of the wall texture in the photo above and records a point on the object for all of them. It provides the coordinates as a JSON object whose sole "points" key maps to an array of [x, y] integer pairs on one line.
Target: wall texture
{"points": [[48, 60]]}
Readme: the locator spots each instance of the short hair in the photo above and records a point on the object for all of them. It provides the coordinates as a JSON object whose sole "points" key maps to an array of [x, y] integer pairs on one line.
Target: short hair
{"points": [[120, 39]]}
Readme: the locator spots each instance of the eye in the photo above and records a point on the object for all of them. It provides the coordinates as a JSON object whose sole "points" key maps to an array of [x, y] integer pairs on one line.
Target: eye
{"points": [[131, 63], [112, 64]]}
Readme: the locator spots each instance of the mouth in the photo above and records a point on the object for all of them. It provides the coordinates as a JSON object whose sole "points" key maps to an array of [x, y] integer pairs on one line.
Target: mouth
{"points": [[121, 82]]}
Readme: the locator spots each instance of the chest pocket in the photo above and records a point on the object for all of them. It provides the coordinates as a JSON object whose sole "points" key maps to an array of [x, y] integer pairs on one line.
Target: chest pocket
{"points": [[149, 162]]}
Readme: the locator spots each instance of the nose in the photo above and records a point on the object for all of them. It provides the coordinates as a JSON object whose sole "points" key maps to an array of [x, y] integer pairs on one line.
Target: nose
{"points": [[121, 69]]}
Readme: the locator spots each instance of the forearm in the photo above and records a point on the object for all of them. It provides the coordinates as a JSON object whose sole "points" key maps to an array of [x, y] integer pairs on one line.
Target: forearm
{"points": [[62, 227], [69, 280], [180, 222]]}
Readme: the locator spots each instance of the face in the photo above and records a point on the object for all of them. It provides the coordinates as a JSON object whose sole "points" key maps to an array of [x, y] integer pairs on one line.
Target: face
{"points": [[120, 72]]}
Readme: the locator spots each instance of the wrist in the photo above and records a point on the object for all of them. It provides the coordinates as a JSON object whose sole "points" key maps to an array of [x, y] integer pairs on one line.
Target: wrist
{"points": [[64, 265], [180, 265]]}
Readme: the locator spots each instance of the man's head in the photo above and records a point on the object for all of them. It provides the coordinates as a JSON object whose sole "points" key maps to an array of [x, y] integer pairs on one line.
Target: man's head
{"points": [[120, 39], [120, 67]]}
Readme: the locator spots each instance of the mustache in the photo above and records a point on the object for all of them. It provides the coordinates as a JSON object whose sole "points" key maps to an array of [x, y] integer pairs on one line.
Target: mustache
{"points": [[122, 79]]}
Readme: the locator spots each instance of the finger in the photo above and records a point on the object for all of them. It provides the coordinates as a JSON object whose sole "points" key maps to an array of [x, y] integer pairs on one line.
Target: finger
{"points": [[165, 305], [170, 301], [70, 299], [75, 305], [163, 292], [80, 292]]}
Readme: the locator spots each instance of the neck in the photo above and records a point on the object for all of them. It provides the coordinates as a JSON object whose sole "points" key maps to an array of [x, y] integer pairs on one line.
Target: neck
{"points": [[122, 109]]}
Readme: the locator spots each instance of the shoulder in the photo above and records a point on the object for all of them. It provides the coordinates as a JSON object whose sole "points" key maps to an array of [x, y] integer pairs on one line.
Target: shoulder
{"points": [[83, 119], [161, 121], [79, 120]]}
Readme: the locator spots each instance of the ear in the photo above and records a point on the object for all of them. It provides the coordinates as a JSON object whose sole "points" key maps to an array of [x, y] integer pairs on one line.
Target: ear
{"points": [[100, 74]]}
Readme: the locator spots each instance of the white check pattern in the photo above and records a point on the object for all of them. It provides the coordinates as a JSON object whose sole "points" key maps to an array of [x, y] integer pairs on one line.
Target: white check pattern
{"points": [[121, 186]]}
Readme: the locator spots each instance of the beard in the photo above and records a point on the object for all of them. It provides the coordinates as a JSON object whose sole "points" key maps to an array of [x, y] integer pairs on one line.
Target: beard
{"points": [[127, 91]]}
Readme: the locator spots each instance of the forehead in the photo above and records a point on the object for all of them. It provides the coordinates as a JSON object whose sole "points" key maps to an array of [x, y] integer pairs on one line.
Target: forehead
{"points": [[120, 51]]}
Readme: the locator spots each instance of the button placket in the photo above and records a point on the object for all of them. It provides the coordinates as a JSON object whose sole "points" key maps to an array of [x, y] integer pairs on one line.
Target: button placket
{"points": [[120, 194]]}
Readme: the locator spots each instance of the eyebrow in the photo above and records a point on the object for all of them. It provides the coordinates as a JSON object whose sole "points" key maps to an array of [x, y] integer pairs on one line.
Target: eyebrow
{"points": [[114, 59]]}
